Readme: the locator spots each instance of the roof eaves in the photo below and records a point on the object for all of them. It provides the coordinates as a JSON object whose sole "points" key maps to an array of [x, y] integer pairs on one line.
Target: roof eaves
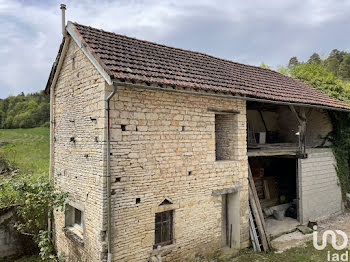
{"points": [[54, 68], [222, 94], [94, 59]]}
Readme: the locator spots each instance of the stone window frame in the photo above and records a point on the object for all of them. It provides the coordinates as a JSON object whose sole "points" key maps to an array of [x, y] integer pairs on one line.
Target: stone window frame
{"points": [[74, 231], [162, 208], [166, 220]]}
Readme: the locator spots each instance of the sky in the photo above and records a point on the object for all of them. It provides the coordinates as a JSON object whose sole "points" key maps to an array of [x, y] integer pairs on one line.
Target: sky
{"points": [[249, 31]]}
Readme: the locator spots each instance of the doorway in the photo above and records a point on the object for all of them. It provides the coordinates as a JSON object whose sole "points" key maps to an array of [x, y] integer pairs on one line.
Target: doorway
{"points": [[231, 220]]}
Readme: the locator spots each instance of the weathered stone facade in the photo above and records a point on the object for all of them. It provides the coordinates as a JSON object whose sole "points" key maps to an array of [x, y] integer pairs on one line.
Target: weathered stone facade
{"points": [[164, 146], [79, 159], [167, 151]]}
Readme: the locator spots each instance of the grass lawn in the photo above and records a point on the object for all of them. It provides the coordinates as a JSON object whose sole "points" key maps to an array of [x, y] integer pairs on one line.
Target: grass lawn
{"points": [[28, 149]]}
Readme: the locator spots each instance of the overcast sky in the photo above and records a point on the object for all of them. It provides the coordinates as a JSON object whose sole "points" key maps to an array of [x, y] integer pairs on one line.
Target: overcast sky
{"points": [[249, 31]]}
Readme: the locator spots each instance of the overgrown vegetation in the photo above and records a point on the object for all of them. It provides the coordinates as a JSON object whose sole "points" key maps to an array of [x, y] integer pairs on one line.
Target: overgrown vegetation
{"points": [[331, 76], [24, 186], [25, 111], [32, 198]]}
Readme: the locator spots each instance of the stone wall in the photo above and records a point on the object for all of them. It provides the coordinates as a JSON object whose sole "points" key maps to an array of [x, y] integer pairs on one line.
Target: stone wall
{"points": [[79, 158], [225, 142], [9, 238], [167, 151], [320, 193]]}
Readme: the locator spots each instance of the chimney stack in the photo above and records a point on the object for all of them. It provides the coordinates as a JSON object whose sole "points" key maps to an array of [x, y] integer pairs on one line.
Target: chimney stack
{"points": [[63, 9]]}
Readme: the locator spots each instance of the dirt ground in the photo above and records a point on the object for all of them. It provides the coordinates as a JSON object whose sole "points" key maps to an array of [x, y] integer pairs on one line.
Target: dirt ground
{"points": [[296, 238]]}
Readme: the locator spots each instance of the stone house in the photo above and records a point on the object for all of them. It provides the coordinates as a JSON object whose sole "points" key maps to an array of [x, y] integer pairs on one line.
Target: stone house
{"points": [[153, 145]]}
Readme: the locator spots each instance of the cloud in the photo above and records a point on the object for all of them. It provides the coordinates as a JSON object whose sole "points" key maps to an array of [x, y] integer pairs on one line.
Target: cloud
{"points": [[244, 31]]}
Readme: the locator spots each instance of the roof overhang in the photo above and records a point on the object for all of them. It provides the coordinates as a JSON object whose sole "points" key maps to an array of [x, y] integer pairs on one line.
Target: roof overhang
{"points": [[55, 71], [103, 70], [222, 95]]}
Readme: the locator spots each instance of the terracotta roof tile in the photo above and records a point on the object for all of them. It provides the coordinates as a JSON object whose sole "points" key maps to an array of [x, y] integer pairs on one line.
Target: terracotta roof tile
{"points": [[128, 58]]}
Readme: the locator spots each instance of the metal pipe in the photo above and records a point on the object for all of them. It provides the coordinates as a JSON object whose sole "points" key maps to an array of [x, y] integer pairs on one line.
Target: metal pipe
{"points": [[108, 186], [63, 17], [261, 100]]}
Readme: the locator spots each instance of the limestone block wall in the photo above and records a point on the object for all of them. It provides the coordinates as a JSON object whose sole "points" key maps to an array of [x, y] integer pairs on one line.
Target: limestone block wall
{"points": [[319, 189], [9, 241], [79, 158], [163, 147], [225, 128]]}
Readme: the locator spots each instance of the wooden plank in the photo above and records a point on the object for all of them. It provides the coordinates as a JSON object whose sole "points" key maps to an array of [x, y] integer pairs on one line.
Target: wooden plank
{"points": [[258, 222], [252, 230], [256, 200]]}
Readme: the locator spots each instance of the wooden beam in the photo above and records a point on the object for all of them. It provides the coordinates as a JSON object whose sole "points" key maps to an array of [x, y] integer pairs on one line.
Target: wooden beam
{"points": [[292, 108], [301, 118]]}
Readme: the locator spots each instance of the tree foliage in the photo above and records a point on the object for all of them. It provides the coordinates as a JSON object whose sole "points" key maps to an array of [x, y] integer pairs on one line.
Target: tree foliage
{"points": [[344, 67], [293, 62], [263, 65], [320, 78], [25, 111], [332, 76], [314, 59]]}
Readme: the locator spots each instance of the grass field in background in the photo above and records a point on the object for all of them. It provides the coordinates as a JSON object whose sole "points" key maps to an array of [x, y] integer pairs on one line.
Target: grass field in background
{"points": [[28, 149]]}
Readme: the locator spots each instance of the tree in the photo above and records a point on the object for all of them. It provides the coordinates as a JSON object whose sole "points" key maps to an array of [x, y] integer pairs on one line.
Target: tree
{"points": [[24, 111], [283, 70], [317, 76], [293, 61], [263, 65], [314, 58], [334, 60], [344, 67]]}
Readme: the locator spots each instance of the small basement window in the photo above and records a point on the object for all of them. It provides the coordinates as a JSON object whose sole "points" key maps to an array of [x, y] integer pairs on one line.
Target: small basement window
{"points": [[224, 136], [74, 217], [163, 228]]}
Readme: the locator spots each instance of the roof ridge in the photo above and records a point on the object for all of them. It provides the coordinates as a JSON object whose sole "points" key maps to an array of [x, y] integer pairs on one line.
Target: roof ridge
{"points": [[178, 48], [128, 58]]}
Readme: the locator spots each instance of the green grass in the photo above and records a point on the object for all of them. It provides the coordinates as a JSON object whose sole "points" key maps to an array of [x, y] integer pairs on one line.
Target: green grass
{"points": [[298, 254], [29, 259], [27, 149]]}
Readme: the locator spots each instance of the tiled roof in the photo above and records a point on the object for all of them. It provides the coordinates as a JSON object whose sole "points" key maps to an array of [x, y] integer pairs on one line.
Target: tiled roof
{"points": [[126, 58]]}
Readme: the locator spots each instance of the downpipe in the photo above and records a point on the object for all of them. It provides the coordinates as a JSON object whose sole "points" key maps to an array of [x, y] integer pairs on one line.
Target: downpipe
{"points": [[109, 205]]}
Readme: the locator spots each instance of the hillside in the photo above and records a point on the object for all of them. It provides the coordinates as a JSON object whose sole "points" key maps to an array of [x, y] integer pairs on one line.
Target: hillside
{"points": [[25, 111], [28, 149]]}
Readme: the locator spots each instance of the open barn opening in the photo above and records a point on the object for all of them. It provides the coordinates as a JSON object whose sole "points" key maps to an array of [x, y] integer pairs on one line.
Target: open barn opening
{"points": [[275, 179]]}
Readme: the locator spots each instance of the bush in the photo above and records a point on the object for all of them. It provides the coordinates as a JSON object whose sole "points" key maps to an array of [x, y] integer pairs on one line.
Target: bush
{"points": [[32, 198]]}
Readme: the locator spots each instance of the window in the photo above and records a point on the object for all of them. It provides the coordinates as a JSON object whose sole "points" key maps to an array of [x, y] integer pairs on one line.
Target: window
{"points": [[225, 136], [163, 229], [77, 217], [74, 217]]}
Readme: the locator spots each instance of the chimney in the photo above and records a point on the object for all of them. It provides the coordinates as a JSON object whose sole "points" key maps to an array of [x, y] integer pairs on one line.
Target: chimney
{"points": [[63, 9]]}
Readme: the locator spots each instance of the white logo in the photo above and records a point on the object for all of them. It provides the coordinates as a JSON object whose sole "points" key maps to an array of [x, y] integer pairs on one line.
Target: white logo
{"points": [[333, 239]]}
